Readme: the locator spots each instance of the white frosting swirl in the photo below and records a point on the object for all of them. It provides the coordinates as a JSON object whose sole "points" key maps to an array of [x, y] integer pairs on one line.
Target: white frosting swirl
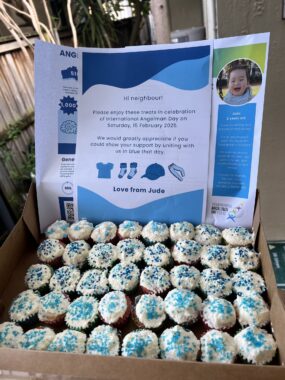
{"points": [[255, 345], [69, 341], [181, 231], [215, 282], [80, 230], [129, 229], [38, 275], [93, 282], [10, 334], [76, 253], [155, 279], [102, 255], [182, 306], [219, 313], [103, 341], [52, 306], [252, 310], [185, 277], [186, 251], [130, 250], [157, 255], [104, 232], [49, 250], [141, 344], [37, 339], [65, 279], [216, 256], [155, 232], [26, 305], [57, 230], [124, 277], [113, 306], [238, 236], [207, 234], [150, 311], [82, 312], [244, 258], [218, 347]]}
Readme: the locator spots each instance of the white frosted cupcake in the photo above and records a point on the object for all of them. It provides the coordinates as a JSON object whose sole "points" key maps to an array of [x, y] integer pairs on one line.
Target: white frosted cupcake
{"points": [[115, 308], [50, 252], [10, 333], [37, 339], [149, 311], [157, 255], [80, 230], [186, 252], [181, 231], [215, 282], [124, 277], [57, 230], [103, 341], [154, 280], [255, 345], [207, 234], [65, 280], [141, 344], [24, 308], [238, 236], [185, 277], [104, 232], [218, 347], [155, 232], [38, 277], [129, 229], [252, 310], [243, 258], [218, 314], [130, 251], [94, 282], [247, 283], [102, 255], [216, 256], [53, 307], [183, 306], [76, 253], [177, 343], [68, 341], [82, 313]]}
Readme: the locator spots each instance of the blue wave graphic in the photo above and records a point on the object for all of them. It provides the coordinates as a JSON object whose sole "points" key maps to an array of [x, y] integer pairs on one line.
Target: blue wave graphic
{"points": [[186, 206], [186, 75], [125, 70]]}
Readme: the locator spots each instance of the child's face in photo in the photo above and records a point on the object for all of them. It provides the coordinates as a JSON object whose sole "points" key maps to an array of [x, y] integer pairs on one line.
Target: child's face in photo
{"points": [[238, 82]]}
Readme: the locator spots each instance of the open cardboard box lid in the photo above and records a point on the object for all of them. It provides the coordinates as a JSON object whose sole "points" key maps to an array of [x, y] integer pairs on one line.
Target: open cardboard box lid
{"points": [[18, 252]]}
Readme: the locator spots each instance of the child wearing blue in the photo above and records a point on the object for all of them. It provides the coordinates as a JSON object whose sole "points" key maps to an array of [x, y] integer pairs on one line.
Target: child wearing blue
{"points": [[239, 90]]}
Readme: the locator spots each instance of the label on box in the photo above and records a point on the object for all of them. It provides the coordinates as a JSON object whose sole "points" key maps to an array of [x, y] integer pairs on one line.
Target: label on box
{"points": [[125, 133]]}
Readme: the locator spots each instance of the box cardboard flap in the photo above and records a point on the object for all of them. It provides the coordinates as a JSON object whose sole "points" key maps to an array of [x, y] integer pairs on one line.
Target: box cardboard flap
{"points": [[30, 213]]}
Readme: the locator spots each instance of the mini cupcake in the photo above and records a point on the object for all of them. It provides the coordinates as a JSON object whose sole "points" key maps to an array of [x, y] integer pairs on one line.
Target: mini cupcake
{"points": [[186, 252], [183, 306], [102, 256], [115, 308], [82, 314], [218, 347], [80, 230], [157, 255], [155, 280], [94, 282], [10, 334], [181, 231], [255, 345], [76, 253], [124, 277], [103, 341], [215, 282], [53, 307], [24, 308], [247, 283], [141, 344], [104, 233], [177, 343], [65, 280], [252, 310], [238, 236], [57, 230], [216, 256], [218, 314], [37, 339], [149, 311], [50, 252], [68, 341], [243, 258], [130, 251], [207, 234], [38, 277], [185, 277], [129, 230], [155, 232]]}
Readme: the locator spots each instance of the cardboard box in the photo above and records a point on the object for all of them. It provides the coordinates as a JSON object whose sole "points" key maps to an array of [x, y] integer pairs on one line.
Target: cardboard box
{"points": [[18, 253]]}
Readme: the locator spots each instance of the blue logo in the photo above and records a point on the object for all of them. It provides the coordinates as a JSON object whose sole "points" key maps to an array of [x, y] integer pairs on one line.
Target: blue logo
{"points": [[70, 73], [68, 105], [69, 127]]}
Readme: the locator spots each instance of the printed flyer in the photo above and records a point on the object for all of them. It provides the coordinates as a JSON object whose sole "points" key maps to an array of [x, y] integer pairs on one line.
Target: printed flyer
{"points": [[140, 133], [239, 78]]}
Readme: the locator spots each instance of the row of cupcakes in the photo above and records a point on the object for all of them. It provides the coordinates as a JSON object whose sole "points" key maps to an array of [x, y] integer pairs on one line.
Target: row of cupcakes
{"points": [[104, 255], [181, 306], [153, 232], [152, 279], [252, 344]]}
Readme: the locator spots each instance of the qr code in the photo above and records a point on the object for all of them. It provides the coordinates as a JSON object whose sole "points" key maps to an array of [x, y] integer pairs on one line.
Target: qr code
{"points": [[69, 211]]}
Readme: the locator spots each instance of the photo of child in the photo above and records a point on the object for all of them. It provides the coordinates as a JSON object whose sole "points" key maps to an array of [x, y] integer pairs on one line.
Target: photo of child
{"points": [[239, 81]]}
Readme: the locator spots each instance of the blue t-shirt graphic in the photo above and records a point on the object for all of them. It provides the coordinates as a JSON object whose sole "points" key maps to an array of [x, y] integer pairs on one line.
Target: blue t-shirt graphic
{"points": [[104, 170]]}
